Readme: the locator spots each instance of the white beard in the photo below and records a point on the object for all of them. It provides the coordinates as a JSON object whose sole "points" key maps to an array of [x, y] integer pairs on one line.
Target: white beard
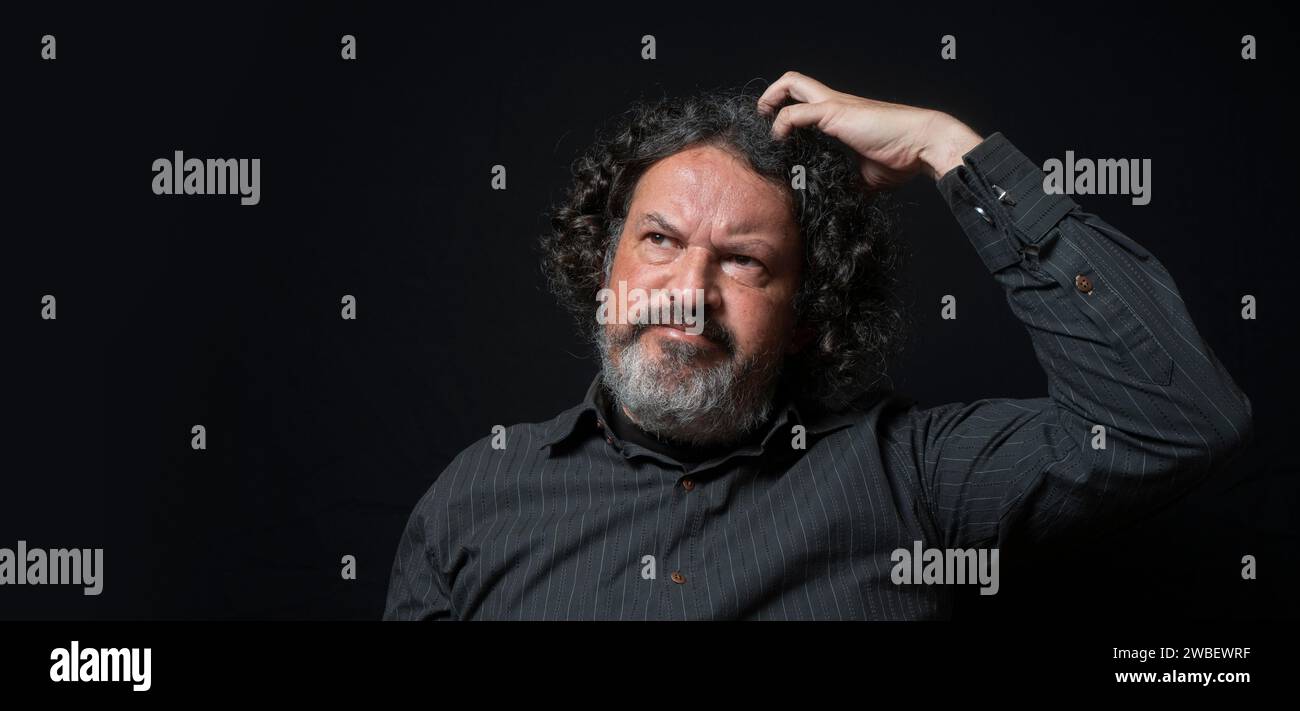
{"points": [[675, 398]]}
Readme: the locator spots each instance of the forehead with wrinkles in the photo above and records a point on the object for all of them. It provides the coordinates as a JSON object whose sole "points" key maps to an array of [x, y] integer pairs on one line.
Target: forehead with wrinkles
{"points": [[705, 193]]}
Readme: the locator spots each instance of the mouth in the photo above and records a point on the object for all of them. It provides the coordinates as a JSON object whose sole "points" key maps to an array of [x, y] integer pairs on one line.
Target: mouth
{"points": [[677, 332]]}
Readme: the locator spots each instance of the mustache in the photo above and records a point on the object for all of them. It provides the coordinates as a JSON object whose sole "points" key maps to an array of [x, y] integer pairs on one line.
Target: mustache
{"points": [[713, 331]]}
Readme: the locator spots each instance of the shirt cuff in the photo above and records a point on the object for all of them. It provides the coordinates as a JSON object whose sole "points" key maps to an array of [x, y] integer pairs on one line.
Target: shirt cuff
{"points": [[997, 196]]}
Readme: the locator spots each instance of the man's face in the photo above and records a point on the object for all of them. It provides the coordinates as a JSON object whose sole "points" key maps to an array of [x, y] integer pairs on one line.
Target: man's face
{"points": [[702, 222]]}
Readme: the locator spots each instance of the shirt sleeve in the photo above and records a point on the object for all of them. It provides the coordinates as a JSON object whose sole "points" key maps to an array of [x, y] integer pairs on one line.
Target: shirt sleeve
{"points": [[417, 587], [1138, 411]]}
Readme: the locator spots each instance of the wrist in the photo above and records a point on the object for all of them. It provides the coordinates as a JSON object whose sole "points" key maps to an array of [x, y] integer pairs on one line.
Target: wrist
{"points": [[949, 140]]}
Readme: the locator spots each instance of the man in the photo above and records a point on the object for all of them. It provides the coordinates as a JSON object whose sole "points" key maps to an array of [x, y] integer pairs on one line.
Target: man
{"points": [[746, 463]]}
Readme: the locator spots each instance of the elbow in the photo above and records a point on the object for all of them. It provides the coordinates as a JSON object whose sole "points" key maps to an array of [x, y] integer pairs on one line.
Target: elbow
{"points": [[1245, 427], [1237, 436], [1212, 442]]}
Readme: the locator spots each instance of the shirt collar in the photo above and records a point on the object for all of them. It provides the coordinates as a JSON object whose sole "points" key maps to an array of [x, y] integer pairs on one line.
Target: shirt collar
{"points": [[585, 418], [567, 423]]}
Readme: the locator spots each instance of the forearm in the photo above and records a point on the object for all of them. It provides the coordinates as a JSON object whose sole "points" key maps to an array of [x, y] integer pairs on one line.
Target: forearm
{"points": [[1107, 323]]}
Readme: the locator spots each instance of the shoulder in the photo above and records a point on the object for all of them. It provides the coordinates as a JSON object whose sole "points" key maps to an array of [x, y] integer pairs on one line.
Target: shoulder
{"points": [[893, 421], [502, 446], [887, 414]]}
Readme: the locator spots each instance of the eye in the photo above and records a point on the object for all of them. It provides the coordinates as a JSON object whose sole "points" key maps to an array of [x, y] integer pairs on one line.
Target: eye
{"points": [[660, 240], [744, 260]]}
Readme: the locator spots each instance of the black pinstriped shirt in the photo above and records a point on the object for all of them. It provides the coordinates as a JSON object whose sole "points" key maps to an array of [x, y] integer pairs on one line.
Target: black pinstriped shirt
{"points": [[568, 521]]}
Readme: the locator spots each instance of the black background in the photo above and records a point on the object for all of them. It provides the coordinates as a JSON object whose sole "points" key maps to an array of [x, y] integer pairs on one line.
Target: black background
{"points": [[322, 433]]}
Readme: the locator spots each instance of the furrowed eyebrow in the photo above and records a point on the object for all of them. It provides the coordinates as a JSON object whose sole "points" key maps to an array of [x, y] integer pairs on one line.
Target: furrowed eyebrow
{"points": [[762, 246], [662, 222], [757, 245]]}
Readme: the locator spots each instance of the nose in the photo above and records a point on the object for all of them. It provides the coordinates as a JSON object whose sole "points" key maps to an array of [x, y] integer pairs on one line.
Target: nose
{"points": [[698, 268]]}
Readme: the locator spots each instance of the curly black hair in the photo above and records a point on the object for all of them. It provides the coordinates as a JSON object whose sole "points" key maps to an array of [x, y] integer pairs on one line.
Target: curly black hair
{"points": [[852, 258]]}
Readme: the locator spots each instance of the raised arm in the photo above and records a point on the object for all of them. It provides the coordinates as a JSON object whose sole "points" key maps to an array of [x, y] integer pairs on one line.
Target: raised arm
{"points": [[1106, 320], [1139, 409]]}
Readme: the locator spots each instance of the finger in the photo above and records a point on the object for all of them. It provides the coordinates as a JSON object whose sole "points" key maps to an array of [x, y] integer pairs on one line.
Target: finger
{"points": [[797, 115], [795, 86]]}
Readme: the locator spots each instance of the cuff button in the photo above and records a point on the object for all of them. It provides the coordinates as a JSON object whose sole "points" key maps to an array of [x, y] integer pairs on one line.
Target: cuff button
{"points": [[983, 214], [1083, 283]]}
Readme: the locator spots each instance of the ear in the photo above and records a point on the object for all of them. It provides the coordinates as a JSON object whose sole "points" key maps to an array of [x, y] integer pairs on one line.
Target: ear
{"points": [[803, 335]]}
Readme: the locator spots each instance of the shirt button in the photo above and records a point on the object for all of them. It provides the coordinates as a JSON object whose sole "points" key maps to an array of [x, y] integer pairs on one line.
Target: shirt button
{"points": [[688, 484], [1083, 283], [983, 214], [678, 577]]}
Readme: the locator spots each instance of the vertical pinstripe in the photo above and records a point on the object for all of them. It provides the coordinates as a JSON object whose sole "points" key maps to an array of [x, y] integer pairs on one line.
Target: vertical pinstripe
{"points": [[556, 525]]}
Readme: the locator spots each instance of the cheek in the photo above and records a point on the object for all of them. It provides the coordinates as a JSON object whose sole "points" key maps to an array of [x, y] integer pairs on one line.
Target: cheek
{"points": [[759, 322], [634, 272]]}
